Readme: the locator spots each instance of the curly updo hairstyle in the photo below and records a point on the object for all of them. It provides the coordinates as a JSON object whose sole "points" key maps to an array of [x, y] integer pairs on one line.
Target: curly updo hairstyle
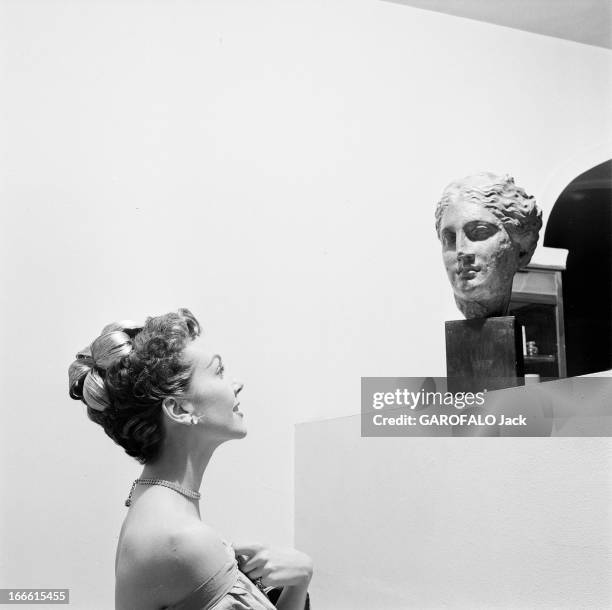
{"points": [[499, 194], [125, 374]]}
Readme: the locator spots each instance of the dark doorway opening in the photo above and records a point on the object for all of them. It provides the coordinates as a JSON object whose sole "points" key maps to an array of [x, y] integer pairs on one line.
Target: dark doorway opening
{"points": [[581, 221]]}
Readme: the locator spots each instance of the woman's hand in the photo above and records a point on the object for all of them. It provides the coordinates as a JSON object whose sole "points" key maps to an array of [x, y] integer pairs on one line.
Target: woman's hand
{"points": [[275, 566]]}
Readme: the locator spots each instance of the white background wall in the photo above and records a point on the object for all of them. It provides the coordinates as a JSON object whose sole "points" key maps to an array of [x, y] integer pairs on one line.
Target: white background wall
{"points": [[271, 165], [444, 523]]}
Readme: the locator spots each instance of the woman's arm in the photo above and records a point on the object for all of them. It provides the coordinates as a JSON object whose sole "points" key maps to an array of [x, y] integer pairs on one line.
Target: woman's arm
{"points": [[278, 567], [293, 597]]}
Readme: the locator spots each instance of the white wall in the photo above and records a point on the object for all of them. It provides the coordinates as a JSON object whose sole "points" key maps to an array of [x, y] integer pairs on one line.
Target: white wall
{"points": [[272, 165], [512, 523]]}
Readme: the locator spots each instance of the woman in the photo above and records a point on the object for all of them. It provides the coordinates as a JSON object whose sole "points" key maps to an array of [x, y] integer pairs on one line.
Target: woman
{"points": [[163, 395]]}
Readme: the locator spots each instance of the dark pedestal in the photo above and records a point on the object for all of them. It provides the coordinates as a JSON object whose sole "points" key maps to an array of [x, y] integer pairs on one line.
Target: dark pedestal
{"points": [[483, 353]]}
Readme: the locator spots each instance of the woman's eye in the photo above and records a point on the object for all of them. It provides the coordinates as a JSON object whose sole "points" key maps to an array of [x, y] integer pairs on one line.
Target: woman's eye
{"points": [[220, 370]]}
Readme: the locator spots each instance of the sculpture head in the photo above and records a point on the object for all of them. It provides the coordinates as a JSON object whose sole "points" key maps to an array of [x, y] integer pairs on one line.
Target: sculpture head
{"points": [[489, 229]]}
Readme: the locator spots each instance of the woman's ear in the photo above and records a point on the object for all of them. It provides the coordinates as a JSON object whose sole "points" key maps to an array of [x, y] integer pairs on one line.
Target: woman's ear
{"points": [[177, 410]]}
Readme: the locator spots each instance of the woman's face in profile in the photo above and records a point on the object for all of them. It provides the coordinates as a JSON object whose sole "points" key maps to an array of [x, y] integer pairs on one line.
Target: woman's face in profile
{"points": [[213, 394]]}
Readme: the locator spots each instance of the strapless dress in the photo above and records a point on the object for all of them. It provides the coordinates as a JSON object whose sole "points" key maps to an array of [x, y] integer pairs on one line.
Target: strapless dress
{"points": [[227, 589]]}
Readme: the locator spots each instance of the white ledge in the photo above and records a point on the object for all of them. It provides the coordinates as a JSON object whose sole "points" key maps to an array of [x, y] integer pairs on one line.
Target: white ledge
{"points": [[550, 258]]}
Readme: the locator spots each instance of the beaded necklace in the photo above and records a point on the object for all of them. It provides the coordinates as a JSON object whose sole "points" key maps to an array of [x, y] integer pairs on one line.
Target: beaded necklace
{"points": [[189, 493]]}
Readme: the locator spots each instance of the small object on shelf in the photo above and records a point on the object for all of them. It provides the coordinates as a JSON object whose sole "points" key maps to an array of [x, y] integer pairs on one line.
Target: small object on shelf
{"points": [[532, 348], [531, 378]]}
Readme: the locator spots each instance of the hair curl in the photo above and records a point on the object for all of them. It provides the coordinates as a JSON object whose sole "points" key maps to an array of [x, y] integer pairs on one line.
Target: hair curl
{"points": [[502, 197], [125, 374]]}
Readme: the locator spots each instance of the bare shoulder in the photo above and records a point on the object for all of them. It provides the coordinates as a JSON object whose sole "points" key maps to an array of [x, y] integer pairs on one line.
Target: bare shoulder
{"points": [[160, 566], [195, 550]]}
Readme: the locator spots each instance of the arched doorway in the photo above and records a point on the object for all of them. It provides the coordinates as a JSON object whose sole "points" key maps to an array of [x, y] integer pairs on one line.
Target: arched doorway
{"points": [[581, 221]]}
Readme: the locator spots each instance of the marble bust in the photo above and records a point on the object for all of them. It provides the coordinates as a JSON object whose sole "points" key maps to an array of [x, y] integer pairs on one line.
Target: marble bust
{"points": [[489, 229]]}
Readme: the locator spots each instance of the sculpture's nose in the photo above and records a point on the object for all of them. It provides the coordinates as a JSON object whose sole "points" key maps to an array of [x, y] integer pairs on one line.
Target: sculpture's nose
{"points": [[466, 258], [465, 255]]}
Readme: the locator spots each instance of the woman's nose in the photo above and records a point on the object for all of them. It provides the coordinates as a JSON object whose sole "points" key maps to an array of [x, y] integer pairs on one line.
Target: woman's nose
{"points": [[238, 385]]}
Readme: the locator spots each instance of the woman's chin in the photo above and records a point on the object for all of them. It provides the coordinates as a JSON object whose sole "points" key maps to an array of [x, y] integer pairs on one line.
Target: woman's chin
{"points": [[240, 433]]}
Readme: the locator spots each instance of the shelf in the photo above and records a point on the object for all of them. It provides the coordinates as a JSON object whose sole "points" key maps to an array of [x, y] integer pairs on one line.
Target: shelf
{"points": [[540, 358], [537, 304]]}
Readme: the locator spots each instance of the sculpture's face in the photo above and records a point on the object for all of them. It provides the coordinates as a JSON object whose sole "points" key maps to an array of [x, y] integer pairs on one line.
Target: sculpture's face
{"points": [[479, 256]]}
